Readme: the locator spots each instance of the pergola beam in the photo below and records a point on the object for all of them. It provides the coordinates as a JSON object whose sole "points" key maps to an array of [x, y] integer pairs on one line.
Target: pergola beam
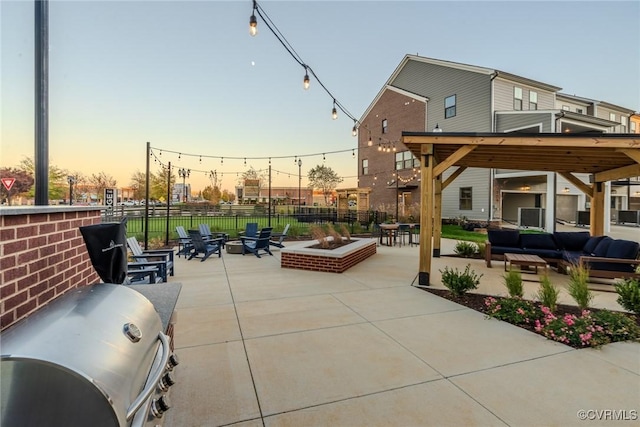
{"points": [[618, 173], [453, 176], [452, 159], [569, 141], [585, 188], [634, 154]]}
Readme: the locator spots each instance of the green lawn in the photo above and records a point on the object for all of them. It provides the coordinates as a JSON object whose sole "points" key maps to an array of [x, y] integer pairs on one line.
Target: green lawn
{"points": [[457, 233]]}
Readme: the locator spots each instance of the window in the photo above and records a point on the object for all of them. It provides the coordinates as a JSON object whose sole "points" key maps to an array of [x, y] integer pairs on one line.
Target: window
{"points": [[384, 126], [365, 167], [533, 100], [566, 108], [612, 117], [517, 98], [579, 111], [450, 106], [406, 160], [465, 199], [623, 122], [633, 127]]}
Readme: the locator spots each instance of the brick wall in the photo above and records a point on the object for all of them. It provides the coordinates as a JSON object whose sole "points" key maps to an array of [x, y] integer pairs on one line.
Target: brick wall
{"points": [[42, 256], [402, 114], [323, 263]]}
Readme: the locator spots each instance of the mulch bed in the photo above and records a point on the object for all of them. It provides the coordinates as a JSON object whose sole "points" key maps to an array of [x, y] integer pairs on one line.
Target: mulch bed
{"points": [[476, 302]]}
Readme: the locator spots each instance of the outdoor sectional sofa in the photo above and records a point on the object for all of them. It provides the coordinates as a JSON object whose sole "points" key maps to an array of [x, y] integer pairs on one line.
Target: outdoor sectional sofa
{"points": [[605, 257]]}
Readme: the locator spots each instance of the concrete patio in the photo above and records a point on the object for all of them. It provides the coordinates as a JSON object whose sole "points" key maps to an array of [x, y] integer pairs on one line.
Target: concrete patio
{"points": [[260, 345]]}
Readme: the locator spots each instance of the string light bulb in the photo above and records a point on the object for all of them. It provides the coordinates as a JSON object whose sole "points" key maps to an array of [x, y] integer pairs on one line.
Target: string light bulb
{"points": [[253, 22], [334, 112], [354, 131], [306, 82]]}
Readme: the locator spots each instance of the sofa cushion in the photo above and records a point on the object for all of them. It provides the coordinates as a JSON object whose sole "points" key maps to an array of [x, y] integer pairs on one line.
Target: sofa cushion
{"points": [[501, 250], [508, 238], [591, 244], [537, 241], [571, 240], [602, 247], [625, 249], [572, 257], [544, 253]]}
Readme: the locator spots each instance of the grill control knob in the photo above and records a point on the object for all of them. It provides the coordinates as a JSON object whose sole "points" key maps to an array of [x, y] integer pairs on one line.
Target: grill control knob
{"points": [[166, 381], [160, 406], [173, 361]]}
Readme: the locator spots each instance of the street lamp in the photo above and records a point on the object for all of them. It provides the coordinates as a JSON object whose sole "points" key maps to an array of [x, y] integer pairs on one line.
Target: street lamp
{"points": [[71, 180], [299, 182], [184, 174]]}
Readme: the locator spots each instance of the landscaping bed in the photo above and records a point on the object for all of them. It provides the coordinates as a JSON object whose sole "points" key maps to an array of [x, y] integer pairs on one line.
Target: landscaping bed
{"points": [[479, 303]]}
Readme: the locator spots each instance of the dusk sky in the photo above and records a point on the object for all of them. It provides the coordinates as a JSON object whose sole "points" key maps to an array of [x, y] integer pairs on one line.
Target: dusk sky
{"points": [[187, 76]]}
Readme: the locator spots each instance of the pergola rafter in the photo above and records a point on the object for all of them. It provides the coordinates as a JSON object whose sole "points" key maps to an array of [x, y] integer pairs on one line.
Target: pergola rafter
{"points": [[606, 157]]}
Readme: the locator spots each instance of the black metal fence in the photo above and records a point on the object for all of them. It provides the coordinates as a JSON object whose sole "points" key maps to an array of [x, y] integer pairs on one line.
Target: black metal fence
{"points": [[232, 220]]}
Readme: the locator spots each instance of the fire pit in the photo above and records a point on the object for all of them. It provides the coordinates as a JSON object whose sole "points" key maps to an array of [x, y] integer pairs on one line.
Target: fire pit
{"points": [[302, 256]]}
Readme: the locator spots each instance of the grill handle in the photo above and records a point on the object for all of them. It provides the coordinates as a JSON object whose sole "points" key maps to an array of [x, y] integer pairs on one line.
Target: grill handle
{"points": [[151, 386]]}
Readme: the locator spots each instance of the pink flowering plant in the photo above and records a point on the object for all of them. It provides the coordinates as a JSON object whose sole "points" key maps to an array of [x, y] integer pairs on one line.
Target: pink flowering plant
{"points": [[589, 329], [514, 310]]}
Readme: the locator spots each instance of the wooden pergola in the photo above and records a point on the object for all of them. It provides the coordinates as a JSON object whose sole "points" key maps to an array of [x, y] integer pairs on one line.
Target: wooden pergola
{"points": [[607, 157]]}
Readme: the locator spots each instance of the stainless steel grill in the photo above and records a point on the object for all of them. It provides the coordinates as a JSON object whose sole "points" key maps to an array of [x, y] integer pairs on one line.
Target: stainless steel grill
{"points": [[96, 356]]}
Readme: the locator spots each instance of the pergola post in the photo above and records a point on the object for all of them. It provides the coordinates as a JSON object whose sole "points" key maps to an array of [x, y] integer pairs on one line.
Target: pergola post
{"points": [[437, 215], [596, 213], [426, 216]]}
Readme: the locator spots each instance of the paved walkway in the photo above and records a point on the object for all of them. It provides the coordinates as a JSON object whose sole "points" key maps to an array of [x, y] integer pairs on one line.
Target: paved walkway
{"points": [[265, 346]]}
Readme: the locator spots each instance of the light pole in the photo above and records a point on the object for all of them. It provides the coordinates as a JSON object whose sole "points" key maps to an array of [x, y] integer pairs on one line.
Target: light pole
{"points": [[299, 183], [71, 180], [184, 174]]}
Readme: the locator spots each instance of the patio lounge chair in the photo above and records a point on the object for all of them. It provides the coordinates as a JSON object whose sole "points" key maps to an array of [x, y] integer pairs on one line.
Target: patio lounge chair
{"points": [[280, 237], [207, 235], [204, 247], [163, 257], [250, 230], [139, 273], [184, 241], [256, 244]]}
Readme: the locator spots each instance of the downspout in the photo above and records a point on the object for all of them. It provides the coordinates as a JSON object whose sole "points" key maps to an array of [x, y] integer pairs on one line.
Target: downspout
{"points": [[493, 129]]}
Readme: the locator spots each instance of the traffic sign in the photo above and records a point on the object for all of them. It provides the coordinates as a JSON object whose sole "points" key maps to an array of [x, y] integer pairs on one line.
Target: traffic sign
{"points": [[8, 183]]}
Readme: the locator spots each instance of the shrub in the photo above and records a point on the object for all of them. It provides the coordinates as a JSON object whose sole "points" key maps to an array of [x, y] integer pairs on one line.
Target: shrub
{"points": [[513, 282], [513, 310], [465, 249], [578, 286], [629, 295], [588, 329], [345, 232], [459, 283], [548, 294]]}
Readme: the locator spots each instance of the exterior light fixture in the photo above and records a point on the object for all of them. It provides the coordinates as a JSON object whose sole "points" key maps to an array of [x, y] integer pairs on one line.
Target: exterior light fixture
{"points": [[370, 142], [253, 22], [437, 128], [306, 82], [334, 112], [565, 190], [253, 25]]}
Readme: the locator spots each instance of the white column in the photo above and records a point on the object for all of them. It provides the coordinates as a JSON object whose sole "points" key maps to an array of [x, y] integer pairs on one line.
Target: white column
{"points": [[607, 207], [550, 210]]}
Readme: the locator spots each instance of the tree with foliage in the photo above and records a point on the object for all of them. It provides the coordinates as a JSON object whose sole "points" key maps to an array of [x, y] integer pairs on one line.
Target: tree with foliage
{"points": [[100, 181], [23, 183], [159, 182], [138, 182], [325, 179], [57, 179], [227, 196], [211, 194]]}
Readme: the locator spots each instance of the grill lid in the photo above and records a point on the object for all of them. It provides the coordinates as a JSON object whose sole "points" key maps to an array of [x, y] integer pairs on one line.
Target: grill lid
{"points": [[81, 360]]}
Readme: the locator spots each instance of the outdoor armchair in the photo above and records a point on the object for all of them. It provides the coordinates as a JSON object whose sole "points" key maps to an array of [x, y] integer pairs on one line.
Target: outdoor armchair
{"points": [[204, 247], [280, 237], [256, 244], [184, 241], [164, 256]]}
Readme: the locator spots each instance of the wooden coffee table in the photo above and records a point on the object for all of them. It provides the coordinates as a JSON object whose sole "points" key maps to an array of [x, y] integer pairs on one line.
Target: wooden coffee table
{"points": [[524, 260]]}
